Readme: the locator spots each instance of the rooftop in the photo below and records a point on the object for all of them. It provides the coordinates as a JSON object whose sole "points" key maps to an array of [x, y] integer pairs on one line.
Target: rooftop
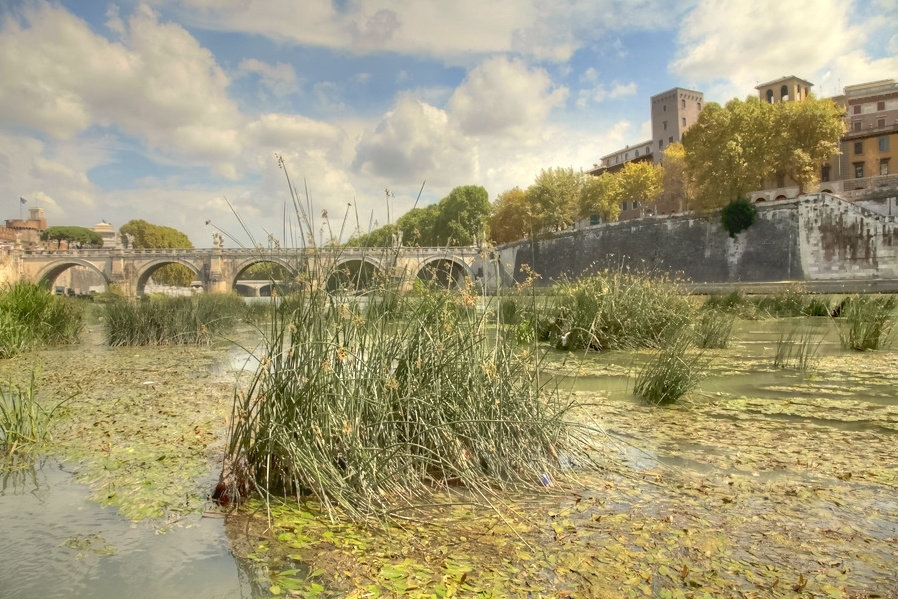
{"points": [[785, 78]]}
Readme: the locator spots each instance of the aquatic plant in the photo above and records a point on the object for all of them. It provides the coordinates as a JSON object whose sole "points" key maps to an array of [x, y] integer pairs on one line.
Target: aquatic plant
{"points": [[616, 310], [866, 321], [367, 412], [674, 370], [713, 329], [23, 421], [31, 317], [794, 301], [796, 347], [171, 320]]}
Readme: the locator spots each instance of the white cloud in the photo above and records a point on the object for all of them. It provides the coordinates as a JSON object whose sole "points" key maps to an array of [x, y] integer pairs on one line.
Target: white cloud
{"points": [[504, 97], [415, 141], [158, 83], [280, 78], [602, 92], [543, 30], [738, 45]]}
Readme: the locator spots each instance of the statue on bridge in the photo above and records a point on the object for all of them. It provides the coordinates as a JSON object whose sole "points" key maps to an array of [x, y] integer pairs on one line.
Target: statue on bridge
{"points": [[217, 239]]}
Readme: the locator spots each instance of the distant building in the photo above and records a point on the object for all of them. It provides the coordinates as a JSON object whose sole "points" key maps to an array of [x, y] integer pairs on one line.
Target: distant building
{"points": [[673, 112], [108, 233], [28, 232], [784, 89]]}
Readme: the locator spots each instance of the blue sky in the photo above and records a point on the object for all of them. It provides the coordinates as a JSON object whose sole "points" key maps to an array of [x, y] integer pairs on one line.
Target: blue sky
{"points": [[161, 109]]}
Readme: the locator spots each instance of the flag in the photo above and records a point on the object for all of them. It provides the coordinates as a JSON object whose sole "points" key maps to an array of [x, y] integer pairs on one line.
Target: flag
{"points": [[23, 200]]}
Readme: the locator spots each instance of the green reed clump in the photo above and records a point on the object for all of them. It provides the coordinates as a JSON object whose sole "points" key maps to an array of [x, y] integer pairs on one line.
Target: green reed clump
{"points": [[735, 302], [713, 329], [617, 310], [796, 347], [866, 322], [171, 320], [674, 370], [367, 413], [23, 422], [31, 317]]}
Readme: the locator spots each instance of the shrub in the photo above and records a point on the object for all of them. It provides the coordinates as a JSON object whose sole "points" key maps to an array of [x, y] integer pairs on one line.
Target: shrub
{"points": [[30, 316], [738, 216], [362, 411], [866, 322], [713, 329], [171, 320], [673, 371], [616, 310]]}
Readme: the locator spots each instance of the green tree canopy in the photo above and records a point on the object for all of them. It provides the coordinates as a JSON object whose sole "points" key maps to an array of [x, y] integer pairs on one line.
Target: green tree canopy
{"points": [[79, 237], [731, 150], [601, 195], [462, 215], [554, 198], [149, 236], [510, 217], [640, 182], [678, 189], [419, 226]]}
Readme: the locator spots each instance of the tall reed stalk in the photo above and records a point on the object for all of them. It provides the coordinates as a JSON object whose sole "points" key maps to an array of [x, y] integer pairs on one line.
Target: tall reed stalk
{"points": [[796, 347], [31, 317], [23, 422], [674, 370]]}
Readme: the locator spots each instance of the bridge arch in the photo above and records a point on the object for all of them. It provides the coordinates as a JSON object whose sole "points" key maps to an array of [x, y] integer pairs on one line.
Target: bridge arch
{"points": [[354, 274], [446, 271], [47, 275], [292, 270], [146, 270]]}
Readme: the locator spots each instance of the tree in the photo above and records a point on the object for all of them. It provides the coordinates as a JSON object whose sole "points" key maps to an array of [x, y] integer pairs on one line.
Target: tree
{"points": [[809, 133], [737, 216], [419, 226], [510, 218], [640, 182], [462, 215], [678, 193], [79, 237], [601, 195], [554, 198], [729, 150], [150, 236]]}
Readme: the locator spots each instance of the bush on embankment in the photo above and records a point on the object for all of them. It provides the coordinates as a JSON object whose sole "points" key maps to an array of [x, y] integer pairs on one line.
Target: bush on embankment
{"points": [[366, 410], [616, 310], [31, 317], [165, 320]]}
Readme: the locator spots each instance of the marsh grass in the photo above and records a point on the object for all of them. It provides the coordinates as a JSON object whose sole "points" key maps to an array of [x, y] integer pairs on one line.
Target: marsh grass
{"points": [[866, 322], [23, 422], [171, 320], [617, 310], [368, 411], [792, 302], [796, 348], [31, 317], [713, 329], [674, 370]]}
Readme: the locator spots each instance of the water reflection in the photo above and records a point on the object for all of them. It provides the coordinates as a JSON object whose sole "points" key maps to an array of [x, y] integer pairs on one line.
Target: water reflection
{"points": [[55, 543]]}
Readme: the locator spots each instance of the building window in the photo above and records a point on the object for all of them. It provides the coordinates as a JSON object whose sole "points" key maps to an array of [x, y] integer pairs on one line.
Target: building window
{"points": [[665, 125], [595, 219], [880, 106], [627, 156], [635, 205], [858, 147], [770, 96], [856, 126], [856, 109], [648, 149], [784, 94], [670, 139], [824, 173], [884, 166], [623, 206], [858, 170], [660, 143], [699, 106], [682, 103], [881, 123], [884, 143], [780, 180], [684, 121]]}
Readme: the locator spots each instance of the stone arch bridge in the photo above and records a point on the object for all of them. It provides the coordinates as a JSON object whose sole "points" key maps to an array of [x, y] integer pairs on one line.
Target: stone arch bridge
{"points": [[219, 270]]}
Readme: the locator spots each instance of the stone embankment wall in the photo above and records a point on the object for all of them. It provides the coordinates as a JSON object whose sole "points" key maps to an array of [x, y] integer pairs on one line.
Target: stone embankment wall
{"points": [[9, 267], [816, 237]]}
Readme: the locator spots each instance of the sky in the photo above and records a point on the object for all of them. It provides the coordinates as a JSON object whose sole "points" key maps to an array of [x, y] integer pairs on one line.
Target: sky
{"points": [[177, 111]]}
